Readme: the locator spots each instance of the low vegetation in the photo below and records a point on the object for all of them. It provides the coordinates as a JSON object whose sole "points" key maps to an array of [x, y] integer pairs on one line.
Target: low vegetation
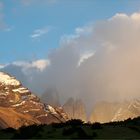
{"points": [[77, 129]]}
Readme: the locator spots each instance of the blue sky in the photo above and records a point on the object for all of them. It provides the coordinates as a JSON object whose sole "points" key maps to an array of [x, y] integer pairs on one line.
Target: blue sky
{"points": [[30, 29]]}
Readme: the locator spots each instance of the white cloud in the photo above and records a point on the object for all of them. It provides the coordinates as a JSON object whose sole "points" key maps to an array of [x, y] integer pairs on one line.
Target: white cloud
{"points": [[84, 30], [113, 73], [40, 64], [79, 31], [2, 66], [39, 32], [84, 57]]}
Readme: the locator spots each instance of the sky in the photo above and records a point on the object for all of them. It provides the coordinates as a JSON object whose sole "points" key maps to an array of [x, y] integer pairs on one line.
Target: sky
{"points": [[31, 29], [85, 49]]}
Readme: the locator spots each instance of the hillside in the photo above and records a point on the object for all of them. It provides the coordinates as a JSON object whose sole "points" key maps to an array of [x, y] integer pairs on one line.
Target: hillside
{"points": [[19, 106]]}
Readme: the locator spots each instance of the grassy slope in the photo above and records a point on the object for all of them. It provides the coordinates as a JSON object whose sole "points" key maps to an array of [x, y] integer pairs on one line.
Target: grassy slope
{"points": [[75, 129]]}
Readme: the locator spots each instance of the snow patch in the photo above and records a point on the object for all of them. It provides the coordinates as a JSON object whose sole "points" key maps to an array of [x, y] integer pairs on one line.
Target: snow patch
{"points": [[21, 90], [51, 109], [16, 105], [117, 114], [7, 80]]}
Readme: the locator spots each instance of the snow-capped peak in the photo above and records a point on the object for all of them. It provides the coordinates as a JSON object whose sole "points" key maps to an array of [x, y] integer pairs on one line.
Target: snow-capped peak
{"points": [[7, 80], [20, 99]]}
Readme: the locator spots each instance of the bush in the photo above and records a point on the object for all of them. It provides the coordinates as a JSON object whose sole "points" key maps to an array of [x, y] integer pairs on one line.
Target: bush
{"points": [[58, 125], [74, 122], [9, 130], [94, 134], [96, 126], [27, 131], [82, 134], [68, 131], [134, 128]]}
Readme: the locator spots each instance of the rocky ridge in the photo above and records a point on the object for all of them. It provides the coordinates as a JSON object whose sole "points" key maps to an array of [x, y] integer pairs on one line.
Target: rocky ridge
{"points": [[18, 106]]}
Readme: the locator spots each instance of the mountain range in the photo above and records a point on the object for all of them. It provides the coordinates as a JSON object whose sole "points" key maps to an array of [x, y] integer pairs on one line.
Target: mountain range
{"points": [[18, 106], [115, 111]]}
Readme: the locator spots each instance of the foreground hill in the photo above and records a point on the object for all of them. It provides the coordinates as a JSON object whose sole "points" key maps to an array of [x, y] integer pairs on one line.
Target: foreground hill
{"points": [[76, 129], [18, 106]]}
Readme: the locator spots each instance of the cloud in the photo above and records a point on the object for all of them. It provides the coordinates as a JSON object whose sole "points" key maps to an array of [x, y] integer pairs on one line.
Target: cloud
{"points": [[2, 66], [112, 73], [109, 52], [39, 32], [84, 57], [40, 64], [79, 31], [31, 74]]}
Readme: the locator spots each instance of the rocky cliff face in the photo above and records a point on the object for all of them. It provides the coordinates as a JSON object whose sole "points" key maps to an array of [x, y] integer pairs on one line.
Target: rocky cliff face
{"points": [[127, 110], [107, 112], [18, 106], [75, 109], [103, 112]]}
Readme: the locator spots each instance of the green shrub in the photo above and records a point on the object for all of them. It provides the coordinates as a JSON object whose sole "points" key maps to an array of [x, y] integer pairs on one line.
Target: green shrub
{"points": [[96, 126], [74, 122]]}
